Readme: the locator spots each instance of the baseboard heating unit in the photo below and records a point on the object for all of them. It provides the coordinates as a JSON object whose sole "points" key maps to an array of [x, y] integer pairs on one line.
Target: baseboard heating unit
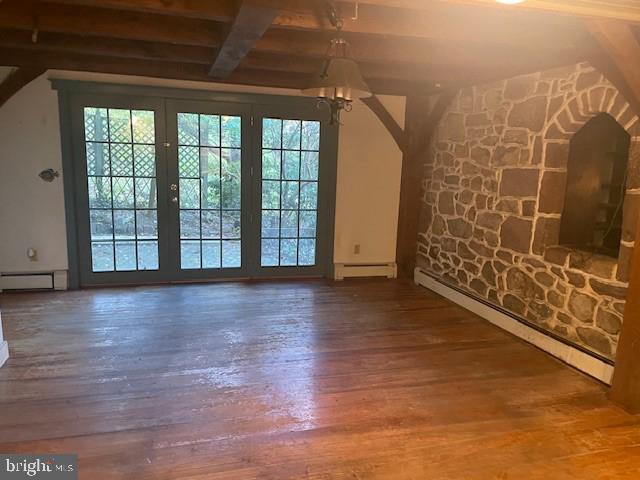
{"points": [[598, 368]]}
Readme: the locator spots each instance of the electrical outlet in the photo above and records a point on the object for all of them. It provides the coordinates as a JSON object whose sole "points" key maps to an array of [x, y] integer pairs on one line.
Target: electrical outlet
{"points": [[356, 249], [32, 254]]}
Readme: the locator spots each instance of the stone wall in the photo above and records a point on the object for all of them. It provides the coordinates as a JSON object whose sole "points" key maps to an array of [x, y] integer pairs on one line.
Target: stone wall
{"points": [[494, 186]]}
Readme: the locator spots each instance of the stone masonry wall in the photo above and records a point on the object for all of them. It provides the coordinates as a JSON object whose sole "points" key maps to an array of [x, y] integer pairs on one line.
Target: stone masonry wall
{"points": [[494, 188]]}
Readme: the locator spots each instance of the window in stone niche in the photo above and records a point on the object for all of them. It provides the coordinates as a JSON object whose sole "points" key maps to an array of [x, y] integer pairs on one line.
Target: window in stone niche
{"points": [[596, 177]]}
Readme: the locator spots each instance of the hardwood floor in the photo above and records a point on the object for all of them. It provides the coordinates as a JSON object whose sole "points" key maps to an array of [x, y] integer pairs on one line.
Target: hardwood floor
{"points": [[370, 379]]}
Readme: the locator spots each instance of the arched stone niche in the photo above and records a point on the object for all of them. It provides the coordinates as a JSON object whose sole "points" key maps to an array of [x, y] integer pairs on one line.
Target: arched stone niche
{"points": [[558, 132], [494, 183]]}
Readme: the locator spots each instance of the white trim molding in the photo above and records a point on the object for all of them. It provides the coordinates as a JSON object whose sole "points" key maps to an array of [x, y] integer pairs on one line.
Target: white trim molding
{"points": [[4, 352], [4, 346], [576, 358], [350, 270]]}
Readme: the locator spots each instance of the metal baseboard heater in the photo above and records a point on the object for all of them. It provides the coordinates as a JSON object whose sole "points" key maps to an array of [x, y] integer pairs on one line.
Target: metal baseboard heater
{"points": [[56, 280], [586, 361], [353, 270]]}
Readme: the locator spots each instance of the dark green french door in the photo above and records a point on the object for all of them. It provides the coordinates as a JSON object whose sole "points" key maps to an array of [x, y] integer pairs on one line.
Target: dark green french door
{"points": [[174, 190]]}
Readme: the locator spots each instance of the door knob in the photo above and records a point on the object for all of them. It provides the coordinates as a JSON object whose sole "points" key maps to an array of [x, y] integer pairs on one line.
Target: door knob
{"points": [[174, 199]]}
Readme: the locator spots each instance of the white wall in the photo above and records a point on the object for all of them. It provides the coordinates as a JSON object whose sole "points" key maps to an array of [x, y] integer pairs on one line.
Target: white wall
{"points": [[32, 211], [368, 190]]}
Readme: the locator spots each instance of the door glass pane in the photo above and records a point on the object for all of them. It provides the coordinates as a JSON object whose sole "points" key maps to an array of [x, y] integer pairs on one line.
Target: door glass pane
{"points": [[290, 156], [121, 182], [209, 169]]}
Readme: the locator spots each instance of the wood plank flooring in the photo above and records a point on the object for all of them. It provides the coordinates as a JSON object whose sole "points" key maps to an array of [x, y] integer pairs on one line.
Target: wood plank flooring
{"points": [[371, 379]]}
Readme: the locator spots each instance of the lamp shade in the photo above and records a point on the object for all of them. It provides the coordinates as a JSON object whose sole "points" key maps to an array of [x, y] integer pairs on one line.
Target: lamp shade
{"points": [[339, 79]]}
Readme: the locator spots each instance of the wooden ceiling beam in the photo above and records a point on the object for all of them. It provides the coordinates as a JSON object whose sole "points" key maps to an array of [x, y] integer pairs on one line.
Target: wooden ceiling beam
{"points": [[181, 71], [249, 24], [396, 51], [17, 79], [57, 42], [438, 20], [625, 10], [109, 23]]}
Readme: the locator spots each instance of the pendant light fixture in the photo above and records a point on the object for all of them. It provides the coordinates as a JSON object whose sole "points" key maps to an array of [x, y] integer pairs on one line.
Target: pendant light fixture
{"points": [[339, 81]]}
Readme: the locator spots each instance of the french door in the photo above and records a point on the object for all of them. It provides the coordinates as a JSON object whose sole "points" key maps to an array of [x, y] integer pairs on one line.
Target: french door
{"points": [[175, 190]]}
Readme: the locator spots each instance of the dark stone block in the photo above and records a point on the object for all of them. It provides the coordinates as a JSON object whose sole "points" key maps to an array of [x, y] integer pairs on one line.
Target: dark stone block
{"points": [[598, 265], [481, 155], [464, 252], [529, 114], [445, 203], [489, 220], [509, 205], [608, 289], [478, 286], [557, 155], [594, 339], [576, 279], [489, 274], [528, 208], [557, 255], [555, 299], [460, 228], [552, 192], [564, 318], [519, 182], [506, 156], [513, 304], [608, 321], [544, 279], [515, 234], [582, 306]]}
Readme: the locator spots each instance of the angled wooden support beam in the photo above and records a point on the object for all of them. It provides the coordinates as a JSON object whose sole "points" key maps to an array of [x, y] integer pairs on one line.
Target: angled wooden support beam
{"points": [[252, 20], [396, 131], [622, 50], [421, 121], [620, 56], [16, 80]]}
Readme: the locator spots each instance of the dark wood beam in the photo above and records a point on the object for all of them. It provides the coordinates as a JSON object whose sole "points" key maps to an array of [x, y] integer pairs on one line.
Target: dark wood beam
{"points": [[250, 23], [419, 51], [628, 10], [621, 45], [438, 20], [619, 59], [380, 111], [274, 52], [114, 47], [179, 71], [16, 80], [99, 22], [421, 121]]}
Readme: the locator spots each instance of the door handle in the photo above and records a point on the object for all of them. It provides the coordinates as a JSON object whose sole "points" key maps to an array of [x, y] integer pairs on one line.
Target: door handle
{"points": [[174, 199]]}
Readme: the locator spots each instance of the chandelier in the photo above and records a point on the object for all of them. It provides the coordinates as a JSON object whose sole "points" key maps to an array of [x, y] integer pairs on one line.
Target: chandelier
{"points": [[339, 81]]}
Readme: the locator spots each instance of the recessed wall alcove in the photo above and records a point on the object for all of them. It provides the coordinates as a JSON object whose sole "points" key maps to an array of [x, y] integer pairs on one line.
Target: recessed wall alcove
{"points": [[596, 181]]}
